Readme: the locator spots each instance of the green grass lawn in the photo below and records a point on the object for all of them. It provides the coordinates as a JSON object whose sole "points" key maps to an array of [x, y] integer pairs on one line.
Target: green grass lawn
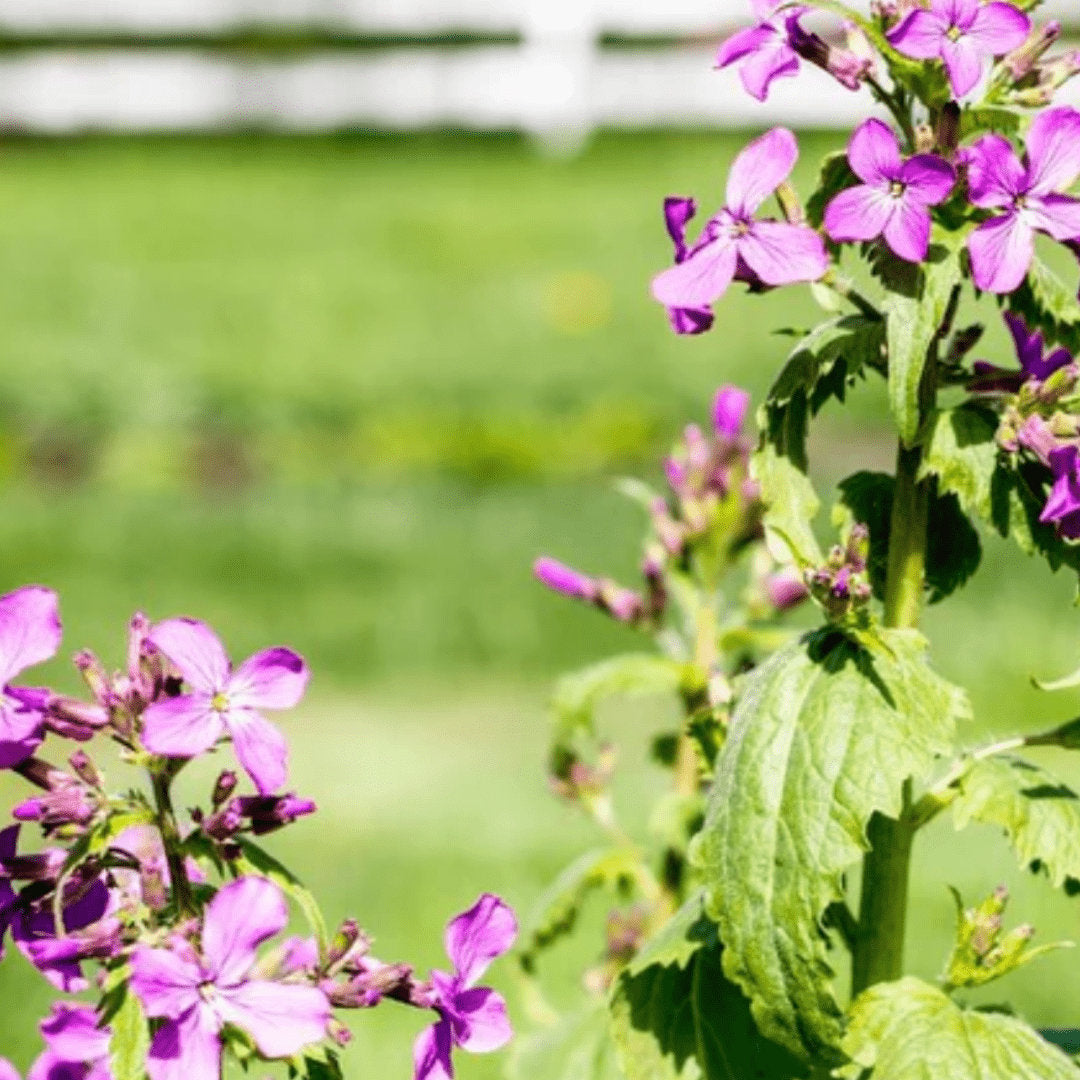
{"points": [[339, 394]]}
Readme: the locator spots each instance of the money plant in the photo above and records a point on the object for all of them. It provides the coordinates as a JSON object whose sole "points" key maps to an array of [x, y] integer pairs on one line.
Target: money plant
{"points": [[161, 931], [757, 928]]}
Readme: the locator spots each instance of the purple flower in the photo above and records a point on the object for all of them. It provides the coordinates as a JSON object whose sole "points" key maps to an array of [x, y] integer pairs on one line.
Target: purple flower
{"points": [[221, 700], [8, 1071], [29, 634], [765, 49], [962, 34], [729, 411], [1029, 193], [565, 579], [470, 1016], [197, 994], [1035, 364], [678, 212], [1063, 506], [77, 1049], [893, 199], [775, 252]]}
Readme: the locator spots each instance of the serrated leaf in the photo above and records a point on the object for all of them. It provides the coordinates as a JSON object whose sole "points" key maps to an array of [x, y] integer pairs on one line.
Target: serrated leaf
{"points": [[909, 1030], [791, 504], [1019, 495], [578, 695], [1040, 815], [676, 1017], [918, 297], [1001, 121], [1048, 304], [130, 1040], [557, 909], [579, 1047], [824, 735], [961, 452], [254, 860]]}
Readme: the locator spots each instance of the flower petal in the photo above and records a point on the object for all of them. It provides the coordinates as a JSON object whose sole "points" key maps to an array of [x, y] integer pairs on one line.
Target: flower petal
{"points": [[187, 1048], [1065, 495], [243, 915], [1053, 145], [920, 35], [1001, 251], [1056, 215], [184, 726], [963, 63], [71, 1032], [998, 28], [480, 1021], [271, 679], [281, 1018], [21, 732], [261, 748], [874, 153], [475, 937], [701, 279], [781, 254], [907, 232], [166, 984], [431, 1053], [744, 42], [758, 71], [858, 213], [760, 168], [995, 175], [691, 320], [928, 179], [8, 1071], [729, 411], [29, 629], [195, 651], [678, 213]]}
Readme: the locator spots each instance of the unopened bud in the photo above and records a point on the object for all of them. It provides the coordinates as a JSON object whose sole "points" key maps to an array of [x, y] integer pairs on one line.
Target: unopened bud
{"points": [[224, 787], [85, 769], [1021, 62]]}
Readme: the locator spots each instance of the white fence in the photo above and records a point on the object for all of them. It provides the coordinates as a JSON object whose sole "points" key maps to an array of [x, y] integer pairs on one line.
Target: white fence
{"points": [[557, 83]]}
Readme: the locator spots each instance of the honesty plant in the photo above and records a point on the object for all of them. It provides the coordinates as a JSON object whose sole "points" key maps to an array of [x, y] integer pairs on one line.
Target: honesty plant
{"points": [[797, 758], [163, 919]]}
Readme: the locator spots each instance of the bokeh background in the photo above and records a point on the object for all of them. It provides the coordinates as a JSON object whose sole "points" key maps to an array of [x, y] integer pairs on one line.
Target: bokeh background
{"points": [[320, 320]]}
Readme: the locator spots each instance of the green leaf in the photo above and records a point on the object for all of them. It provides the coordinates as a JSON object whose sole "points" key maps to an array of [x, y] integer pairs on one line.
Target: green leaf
{"points": [[824, 735], [579, 1047], [254, 860], [918, 298], [130, 1041], [676, 1017], [790, 505], [909, 1030], [1040, 815], [1000, 121], [961, 452], [578, 695], [557, 909], [1048, 304], [1019, 495]]}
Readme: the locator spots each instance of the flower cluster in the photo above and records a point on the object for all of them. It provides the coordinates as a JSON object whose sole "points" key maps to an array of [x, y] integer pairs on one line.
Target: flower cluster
{"points": [[165, 919]]}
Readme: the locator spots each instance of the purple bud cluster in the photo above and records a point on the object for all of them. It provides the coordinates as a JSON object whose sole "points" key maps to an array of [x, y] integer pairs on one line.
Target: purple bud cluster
{"points": [[126, 899], [842, 586]]}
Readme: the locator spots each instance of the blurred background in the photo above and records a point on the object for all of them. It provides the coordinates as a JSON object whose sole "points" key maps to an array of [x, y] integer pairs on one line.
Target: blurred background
{"points": [[321, 319]]}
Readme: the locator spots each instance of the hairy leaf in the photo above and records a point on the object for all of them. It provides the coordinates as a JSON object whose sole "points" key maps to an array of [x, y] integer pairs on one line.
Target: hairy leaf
{"points": [[1040, 815], [1001, 121], [824, 735], [909, 1030], [790, 505], [557, 909], [676, 1017], [1048, 304], [579, 1047], [960, 451], [130, 1040], [918, 298]]}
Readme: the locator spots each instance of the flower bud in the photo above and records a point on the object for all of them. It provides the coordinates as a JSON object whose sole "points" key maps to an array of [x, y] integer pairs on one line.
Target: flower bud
{"points": [[224, 787], [1021, 62], [563, 579], [75, 719]]}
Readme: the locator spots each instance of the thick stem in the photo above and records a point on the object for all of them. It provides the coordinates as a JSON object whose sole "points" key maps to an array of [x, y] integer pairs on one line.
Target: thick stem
{"points": [[172, 842]]}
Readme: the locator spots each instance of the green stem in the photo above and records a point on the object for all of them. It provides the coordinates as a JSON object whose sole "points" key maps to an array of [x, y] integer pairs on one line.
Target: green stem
{"points": [[172, 841]]}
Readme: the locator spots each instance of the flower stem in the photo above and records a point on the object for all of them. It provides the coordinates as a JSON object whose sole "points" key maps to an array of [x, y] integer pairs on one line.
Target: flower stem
{"points": [[171, 840]]}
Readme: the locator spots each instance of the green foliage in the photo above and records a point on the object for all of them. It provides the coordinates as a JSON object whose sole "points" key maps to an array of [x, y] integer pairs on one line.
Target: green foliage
{"points": [[836, 175], [823, 737], [953, 550], [676, 1017], [130, 1040], [1048, 304], [915, 307], [974, 121], [959, 449], [1040, 815], [557, 909], [791, 504], [578, 1047], [909, 1030]]}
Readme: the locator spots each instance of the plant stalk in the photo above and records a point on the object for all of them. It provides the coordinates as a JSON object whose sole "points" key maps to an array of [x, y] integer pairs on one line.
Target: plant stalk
{"points": [[172, 842]]}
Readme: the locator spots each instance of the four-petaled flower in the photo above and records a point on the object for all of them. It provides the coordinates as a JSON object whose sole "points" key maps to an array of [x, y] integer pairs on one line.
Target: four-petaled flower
{"points": [[196, 994], [470, 1016], [76, 1048], [894, 197], [29, 634], [774, 252], [962, 34], [764, 49], [1029, 194], [221, 700], [1063, 505]]}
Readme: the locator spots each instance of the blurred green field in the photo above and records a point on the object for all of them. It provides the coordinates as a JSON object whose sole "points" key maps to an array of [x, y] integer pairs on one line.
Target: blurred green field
{"points": [[339, 393]]}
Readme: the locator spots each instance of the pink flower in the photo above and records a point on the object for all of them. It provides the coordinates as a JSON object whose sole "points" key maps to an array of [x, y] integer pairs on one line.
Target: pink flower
{"points": [[221, 700], [196, 994], [77, 1049], [774, 252], [764, 50]]}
